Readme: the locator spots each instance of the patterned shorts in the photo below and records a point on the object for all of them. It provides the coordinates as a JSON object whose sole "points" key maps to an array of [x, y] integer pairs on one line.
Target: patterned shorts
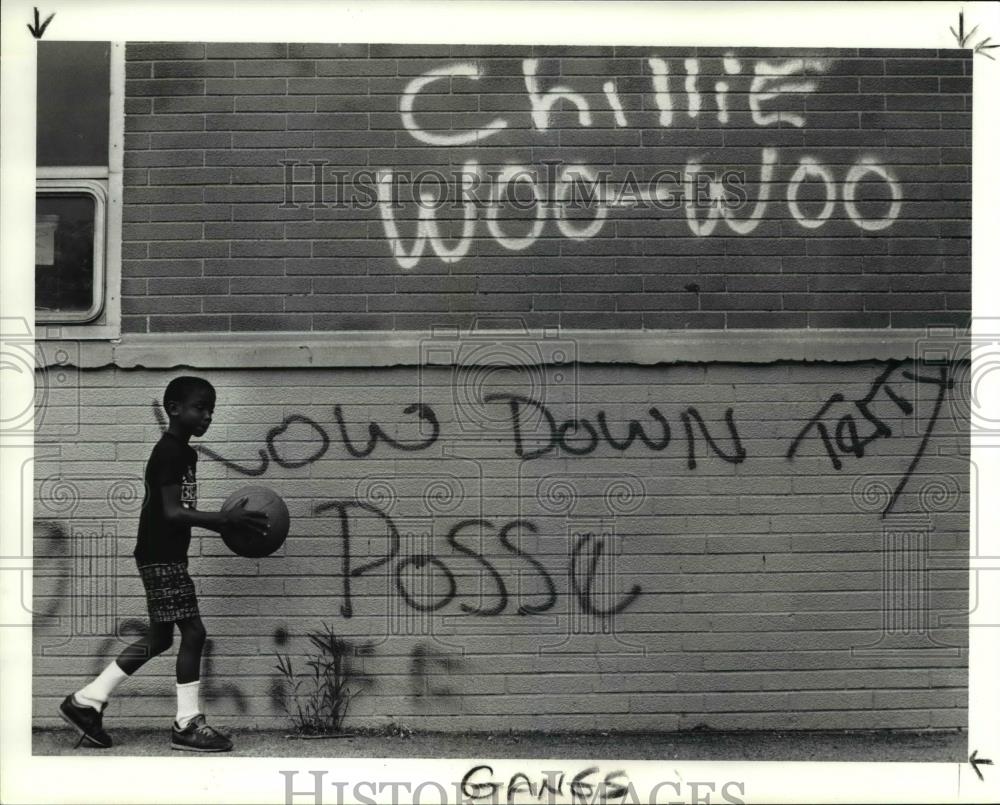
{"points": [[170, 594]]}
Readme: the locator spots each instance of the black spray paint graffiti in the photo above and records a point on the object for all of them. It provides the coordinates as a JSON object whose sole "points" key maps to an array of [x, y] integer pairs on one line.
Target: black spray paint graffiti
{"points": [[846, 439], [426, 665], [53, 542], [588, 549], [583, 592], [567, 434], [321, 442]]}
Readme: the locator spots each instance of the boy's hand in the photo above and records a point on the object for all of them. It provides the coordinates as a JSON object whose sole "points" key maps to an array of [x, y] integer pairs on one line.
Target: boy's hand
{"points": [[239, 517]]}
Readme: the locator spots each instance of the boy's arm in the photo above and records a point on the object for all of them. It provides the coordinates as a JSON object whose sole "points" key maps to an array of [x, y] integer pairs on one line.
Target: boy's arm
{"points": [[237, 517]]}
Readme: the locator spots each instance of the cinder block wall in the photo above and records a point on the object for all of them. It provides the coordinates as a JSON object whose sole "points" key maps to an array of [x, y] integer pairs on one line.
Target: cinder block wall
{"points": [[239, 158], [754, 589]]}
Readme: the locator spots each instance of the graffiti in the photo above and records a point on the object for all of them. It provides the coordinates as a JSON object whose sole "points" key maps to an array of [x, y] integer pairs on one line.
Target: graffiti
{"points": [[566, 188], [212, 689], [583, 592], [543, 574], [570, 572], [694, 172], [854, 175], [513, 174], [501, 594], [376, 434], [581, 578], [319, 442], [467, 70], [53, 542], [701, 184], [615, 102], [661, 91], [739, 454], [427, 228], [766, 84], [809, 168], [542, 102], [426, 665], [564, 435], [846, 439], [695, 188], [427, 582], [277, 690]]}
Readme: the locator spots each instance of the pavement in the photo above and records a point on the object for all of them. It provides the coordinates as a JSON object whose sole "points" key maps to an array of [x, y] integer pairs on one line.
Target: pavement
{"points": [[873, 745]]}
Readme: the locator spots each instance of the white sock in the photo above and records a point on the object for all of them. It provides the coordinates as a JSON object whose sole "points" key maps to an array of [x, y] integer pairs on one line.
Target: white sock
{"points": [[97, 693], [187, 702]]}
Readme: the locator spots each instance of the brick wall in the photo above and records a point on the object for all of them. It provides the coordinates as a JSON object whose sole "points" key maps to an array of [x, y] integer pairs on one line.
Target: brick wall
{"points": [[731, 544], [757, 585], [234, 219]]}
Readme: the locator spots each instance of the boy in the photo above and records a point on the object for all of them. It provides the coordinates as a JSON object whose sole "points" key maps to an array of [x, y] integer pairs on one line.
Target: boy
{"points": [[168, 512]]}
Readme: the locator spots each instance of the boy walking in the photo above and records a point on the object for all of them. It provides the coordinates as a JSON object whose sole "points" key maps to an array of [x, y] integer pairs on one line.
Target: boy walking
{"points": [[169, 511]]}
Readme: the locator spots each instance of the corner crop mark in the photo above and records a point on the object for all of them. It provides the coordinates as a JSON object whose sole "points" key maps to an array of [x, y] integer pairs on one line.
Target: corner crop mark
{"points": [[38, 29]]}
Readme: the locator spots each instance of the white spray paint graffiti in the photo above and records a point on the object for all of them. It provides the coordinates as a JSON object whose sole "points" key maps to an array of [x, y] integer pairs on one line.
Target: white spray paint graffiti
{"points": [[702, 191], [427, 228], [769, 81], [466, 70], [570, 175], [717, 195], [854, 175], [765, 87], [809, 167], [691, 87], [516, 174], [541, 102], [611, 91], [661, 91]]}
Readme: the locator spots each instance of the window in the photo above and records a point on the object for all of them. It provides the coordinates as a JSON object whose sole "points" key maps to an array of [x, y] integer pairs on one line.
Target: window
{"points": [[77, 239], [69, 249]]}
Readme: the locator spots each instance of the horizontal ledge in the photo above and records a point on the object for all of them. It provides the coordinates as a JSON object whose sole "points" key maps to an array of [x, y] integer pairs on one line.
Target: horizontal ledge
{"points": [[72, 172], [449, 346]]}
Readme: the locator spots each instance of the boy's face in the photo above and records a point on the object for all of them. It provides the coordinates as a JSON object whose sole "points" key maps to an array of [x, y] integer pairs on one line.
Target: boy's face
{"points": [[194, 414]]}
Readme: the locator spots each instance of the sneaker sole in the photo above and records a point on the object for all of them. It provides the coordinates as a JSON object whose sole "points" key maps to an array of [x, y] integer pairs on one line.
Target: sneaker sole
{"points": [[80, 731], [183, 748]]}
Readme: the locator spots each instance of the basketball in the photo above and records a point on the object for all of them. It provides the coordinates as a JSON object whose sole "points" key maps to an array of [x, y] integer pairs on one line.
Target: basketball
{"points": [[247, 543]]}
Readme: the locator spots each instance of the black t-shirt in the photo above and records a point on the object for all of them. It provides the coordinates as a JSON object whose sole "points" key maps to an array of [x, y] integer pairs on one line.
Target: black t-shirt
{"points": [[171, 462]]}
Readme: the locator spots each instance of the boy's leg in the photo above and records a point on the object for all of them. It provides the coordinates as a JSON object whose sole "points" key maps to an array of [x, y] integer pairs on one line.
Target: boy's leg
{"points": [[190, 732], [157, 640], [189, 669], [83, 710]]}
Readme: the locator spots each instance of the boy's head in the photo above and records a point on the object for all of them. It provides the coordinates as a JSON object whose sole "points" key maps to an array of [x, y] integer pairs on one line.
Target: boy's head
{"points": [[189, 402]]}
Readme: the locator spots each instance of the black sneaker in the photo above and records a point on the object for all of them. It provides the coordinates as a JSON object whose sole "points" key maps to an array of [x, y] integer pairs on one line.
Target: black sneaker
{"points": [[86, 721], [197, 736]]}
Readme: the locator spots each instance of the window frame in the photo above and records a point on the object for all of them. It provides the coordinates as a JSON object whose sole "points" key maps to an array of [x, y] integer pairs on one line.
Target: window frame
{"points": [[97, 190], [104, 183]]}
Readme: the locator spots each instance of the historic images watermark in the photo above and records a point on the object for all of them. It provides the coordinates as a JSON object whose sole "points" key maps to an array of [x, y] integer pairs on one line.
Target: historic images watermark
{"points": [[482, 785], [560, 186]]}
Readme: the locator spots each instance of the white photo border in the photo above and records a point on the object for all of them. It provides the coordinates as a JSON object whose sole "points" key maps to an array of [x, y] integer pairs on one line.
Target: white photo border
{"points": [[26, 778]]}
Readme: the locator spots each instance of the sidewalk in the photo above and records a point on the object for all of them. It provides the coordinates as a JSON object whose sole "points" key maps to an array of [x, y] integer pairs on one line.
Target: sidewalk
{"points": [[925, 747]]}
